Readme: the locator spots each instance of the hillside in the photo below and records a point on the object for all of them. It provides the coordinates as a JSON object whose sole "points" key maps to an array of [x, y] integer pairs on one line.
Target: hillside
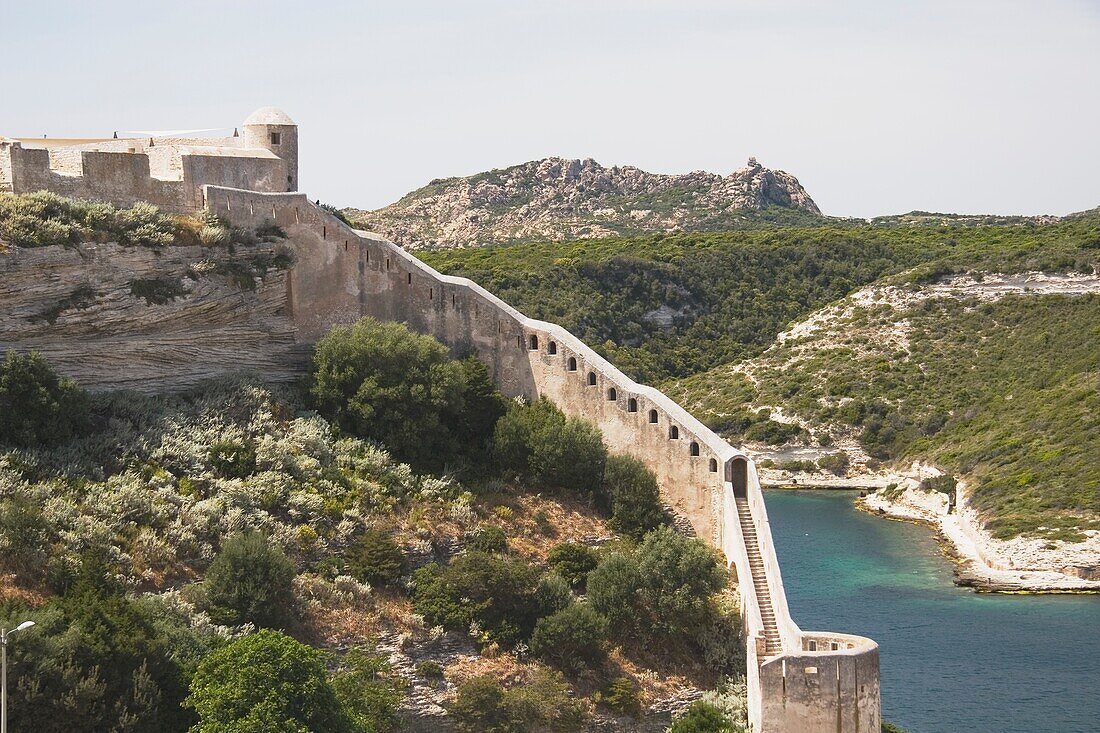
{"points": [[965, 390], [559, 199]]}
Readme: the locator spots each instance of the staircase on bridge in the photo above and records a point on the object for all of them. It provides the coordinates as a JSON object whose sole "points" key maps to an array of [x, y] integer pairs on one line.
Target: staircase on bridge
{"points": [[773, 644]]}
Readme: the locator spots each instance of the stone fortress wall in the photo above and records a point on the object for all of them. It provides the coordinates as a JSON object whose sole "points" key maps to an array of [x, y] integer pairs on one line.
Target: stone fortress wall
{"points": [[799, 682], [804, 682], [167, 171]]}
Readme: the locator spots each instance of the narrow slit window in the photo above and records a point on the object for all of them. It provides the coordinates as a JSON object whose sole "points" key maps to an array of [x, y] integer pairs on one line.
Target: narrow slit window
{"points": [[552, 347], [387, 263], [431, 293], [612, 395], [409, 278], [592, 379], [454, 302], [694, 448], [713, 466], [324, 232], [673, 432], [572, 364], [652, 417]]}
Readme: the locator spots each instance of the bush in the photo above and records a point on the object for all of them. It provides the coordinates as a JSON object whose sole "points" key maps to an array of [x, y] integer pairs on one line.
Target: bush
{"points": [[250, 581], [41, 219], [571, 637], [429, 670], [573, 562], [539, 442], [703, 717], [621, 696], [635, 498], [505, 596], [835, 462], [382, 382], [265, 682], [667, 585], [24, 538], [489, 539], [888, 727], [376, 558], [37, 407], [369, 691], [231, 459], [482, 705]]}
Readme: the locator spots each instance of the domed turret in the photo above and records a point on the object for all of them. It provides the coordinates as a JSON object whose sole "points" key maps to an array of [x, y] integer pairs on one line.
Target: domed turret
{"points": [[272, 129]]}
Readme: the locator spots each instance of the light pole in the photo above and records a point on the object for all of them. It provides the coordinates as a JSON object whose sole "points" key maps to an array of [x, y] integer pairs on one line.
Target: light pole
{"points": [[4, 634]]}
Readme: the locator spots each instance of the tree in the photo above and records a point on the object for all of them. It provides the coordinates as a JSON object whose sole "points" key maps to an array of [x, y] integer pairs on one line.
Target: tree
{"points": [[250, 581], [376, 558], [38, 407], [382, 382], [482, 705], [266, 683], [666, 585], [504, 595], [634, 496], [573, 562], [539, 442], [703, 717], [369, 691], [571, 637]]}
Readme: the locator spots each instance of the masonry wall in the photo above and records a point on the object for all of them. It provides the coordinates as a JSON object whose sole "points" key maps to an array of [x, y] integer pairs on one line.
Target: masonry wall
{"points": [[124, 178]]}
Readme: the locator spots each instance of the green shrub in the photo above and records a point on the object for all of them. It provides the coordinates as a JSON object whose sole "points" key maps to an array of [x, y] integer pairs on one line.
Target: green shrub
{"points": [[635, 498], [232, 459], [158, 291], [369, 691], [835, 462], [888, 727], [382, 382], [573, 562], [376, 558], [703, 717], [539, 442], [482, 705], [25, 535], [250, 581], [489, 538], [429, 670], [266, 682], [666, 586], [38, 407], [500, 593], [41, 219], [570, 638], [621, 696]]}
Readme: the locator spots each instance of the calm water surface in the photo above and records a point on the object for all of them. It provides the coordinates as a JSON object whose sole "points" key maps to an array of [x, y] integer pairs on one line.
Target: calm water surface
{"points": [[952, 660]]}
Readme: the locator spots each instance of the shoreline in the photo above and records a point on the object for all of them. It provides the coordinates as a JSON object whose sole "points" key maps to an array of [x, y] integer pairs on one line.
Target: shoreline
{"points": [[975, 555]]}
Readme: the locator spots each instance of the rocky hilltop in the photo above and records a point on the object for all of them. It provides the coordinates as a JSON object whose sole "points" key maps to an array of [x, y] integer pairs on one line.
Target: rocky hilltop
{"points": [[559, 199]]}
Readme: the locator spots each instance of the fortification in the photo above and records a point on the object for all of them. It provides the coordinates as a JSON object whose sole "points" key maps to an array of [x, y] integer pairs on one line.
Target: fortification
{"points": [[167, 171], [799, 682]]}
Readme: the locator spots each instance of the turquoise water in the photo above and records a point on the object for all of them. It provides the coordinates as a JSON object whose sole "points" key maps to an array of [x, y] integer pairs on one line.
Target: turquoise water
{"points": [[952, 660]]}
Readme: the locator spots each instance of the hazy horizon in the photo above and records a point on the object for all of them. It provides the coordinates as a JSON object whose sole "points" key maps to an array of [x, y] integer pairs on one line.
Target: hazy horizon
{"points": [[877, 108]]}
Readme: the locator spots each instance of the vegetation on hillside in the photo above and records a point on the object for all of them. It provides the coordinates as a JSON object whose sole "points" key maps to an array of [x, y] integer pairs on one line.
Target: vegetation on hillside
{"points": [[1003, 392], [42, 218], [153, 542], [675, 305]]}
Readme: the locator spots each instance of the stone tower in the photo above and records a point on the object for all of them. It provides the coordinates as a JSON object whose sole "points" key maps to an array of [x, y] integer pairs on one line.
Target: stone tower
{"points": [[271, 128]]}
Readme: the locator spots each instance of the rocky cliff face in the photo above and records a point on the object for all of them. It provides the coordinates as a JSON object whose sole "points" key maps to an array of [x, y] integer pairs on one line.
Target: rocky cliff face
{"points": [[150, 319], [559, 199]]}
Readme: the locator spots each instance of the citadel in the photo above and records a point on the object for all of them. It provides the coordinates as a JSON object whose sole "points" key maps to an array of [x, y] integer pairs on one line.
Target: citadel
{"points": [[798, 681]]}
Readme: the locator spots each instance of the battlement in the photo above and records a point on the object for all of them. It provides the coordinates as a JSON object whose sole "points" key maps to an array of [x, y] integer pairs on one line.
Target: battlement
{"points": [[169, 171]]}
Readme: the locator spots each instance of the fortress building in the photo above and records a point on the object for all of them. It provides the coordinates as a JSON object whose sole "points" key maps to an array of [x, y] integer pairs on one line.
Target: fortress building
{"points": [[261, 155], [798, 681]]}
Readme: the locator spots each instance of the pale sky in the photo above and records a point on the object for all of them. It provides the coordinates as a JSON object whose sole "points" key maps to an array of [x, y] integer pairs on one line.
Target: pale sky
{"points": [[877, 106]]}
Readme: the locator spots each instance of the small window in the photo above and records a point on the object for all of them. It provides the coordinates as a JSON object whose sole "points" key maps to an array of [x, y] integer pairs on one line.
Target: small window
{"points": [[409, 278], [673, 432], [653, 417], [713, 466], [572, 364], [836, 646], [632, 405], [612, 395], [387, 263], [454, 302], [592, 379], [552, 347], [431, 293], [813, 646], [534, 343], [694, 448], [276, 139]]}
